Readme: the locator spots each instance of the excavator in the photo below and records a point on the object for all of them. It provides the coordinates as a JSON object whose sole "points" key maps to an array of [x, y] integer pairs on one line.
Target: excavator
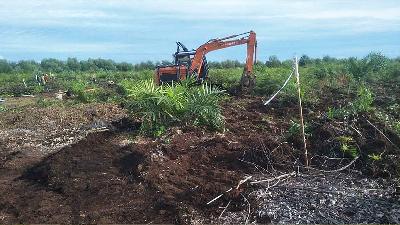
{"points": [[193, 63]]}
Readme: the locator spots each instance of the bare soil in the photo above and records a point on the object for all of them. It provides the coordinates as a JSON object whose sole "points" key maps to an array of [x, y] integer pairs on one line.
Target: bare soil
{"points": [[116, 176]]}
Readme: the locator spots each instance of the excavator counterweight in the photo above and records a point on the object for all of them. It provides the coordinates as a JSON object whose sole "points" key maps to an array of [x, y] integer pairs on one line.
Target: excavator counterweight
{"points": [[193, 63]]}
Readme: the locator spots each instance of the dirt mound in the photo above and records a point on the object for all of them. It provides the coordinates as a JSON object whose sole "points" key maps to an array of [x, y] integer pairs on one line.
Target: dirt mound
{"points": [[109, 178], [99, 181], [103, 179]]}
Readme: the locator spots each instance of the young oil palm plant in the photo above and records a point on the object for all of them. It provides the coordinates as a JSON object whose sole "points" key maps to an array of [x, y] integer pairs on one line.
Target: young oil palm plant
{"points": [[160, 106]]}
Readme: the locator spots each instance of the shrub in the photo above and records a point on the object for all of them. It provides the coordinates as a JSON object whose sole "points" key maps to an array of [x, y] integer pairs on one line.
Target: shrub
{"points": [[37, 89], [17, 89], [374, 64], [103, 95], [393, 72], [81, 93], [228, 79], [364, 100]]}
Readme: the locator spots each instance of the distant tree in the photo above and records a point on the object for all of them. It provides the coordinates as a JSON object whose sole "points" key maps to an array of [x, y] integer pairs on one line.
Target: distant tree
{"points": [[73, 64], [27, 66], [105, 64], [88, 65], [144, 65], [355, 67], [317, 61], [230, 64], [216, 65], [165, 62], [238, 64], [328, 59], [375, 62], [258, 62], [273, 61], [52, 65], [5, 66], [124, 66], [304, 60], [288, 63], [227, 64]]}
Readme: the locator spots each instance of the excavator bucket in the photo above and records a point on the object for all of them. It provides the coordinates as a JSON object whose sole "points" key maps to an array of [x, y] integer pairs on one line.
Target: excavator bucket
{"points": [[247, 82]]}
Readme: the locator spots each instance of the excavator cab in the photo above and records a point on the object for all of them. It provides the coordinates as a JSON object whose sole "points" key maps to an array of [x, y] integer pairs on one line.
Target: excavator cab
{"points": [[180, 70], [182, 54]]}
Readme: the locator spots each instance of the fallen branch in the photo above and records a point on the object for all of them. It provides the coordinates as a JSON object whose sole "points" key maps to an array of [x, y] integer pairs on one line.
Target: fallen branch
{"points": [[254, 164], [275, 178], [230, 189], [225, 208], [219, 196], [243, 181], [249, 209], [343, 168], [382, 133]]}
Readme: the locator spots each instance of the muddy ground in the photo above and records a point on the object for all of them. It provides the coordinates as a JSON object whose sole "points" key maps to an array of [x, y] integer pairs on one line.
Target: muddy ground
{"points": [[88, 165]]}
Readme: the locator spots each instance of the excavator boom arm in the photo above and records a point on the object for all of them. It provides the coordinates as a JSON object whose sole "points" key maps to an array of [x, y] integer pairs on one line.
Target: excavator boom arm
{"points": [[217, 44]]}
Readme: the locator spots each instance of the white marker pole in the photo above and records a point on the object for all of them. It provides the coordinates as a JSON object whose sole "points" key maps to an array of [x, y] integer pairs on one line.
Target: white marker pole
{"points": [[296, 71]]}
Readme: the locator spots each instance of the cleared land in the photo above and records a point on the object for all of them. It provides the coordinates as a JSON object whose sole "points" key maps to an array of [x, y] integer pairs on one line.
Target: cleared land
{"points": [[120, 150], [57, 167]]}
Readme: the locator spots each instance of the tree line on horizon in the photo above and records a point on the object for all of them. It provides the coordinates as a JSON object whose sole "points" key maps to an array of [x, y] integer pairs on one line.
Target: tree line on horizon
{"points": [[92, 65]]}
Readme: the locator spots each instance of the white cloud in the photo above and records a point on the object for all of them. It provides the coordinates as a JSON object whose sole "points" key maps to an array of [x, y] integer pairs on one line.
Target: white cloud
{"points": [[75, 12], [46, 26]]}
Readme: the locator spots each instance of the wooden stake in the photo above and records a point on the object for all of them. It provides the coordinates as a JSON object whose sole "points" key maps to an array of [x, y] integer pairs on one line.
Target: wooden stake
{"points": [[296, 71]]}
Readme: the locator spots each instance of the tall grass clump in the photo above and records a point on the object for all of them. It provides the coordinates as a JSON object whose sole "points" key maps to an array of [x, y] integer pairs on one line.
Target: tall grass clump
{"points": [[162, 106]]}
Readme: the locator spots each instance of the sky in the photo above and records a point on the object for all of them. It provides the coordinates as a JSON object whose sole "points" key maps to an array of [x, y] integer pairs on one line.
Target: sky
{"points": [[136, 31]]}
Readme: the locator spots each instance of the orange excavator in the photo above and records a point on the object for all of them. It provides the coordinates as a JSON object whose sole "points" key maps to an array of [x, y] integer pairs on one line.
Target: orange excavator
{"points": [[193, 63]]}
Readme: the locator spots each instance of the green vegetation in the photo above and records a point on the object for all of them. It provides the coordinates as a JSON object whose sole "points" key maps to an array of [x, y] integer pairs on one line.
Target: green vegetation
{"points": [[3, 108], [364, 100], [375, 157], [348, 146], [100, 80], [161, 106], [342, 98]]}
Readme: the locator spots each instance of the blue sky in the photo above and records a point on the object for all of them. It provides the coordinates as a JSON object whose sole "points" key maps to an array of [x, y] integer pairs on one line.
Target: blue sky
{"points": [[136, 31]]}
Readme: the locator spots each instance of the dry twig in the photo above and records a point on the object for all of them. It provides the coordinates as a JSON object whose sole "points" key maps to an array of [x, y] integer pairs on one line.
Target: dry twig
{"points": [[230, 189], [225, 208], [274, 178], [342, 168], [382, 133], [249, 209]]}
